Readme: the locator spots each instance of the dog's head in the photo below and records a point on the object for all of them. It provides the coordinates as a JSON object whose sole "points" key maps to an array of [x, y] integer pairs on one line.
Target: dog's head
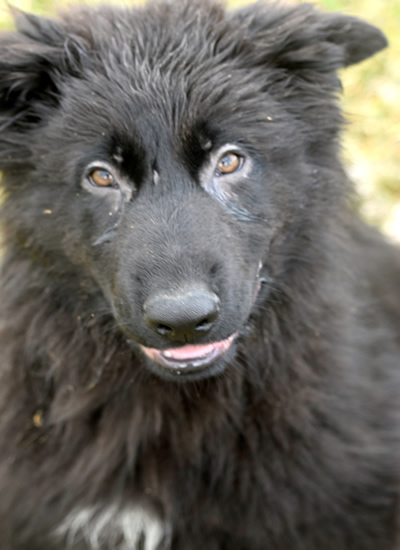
{"points": [[171, 158]]}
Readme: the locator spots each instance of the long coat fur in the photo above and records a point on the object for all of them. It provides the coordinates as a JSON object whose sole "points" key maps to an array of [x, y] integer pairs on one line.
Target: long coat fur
{"points": [[290, 441]]}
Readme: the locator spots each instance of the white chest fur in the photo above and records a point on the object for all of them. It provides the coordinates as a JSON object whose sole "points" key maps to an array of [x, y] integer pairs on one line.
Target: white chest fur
{"points": [[113, 528]]}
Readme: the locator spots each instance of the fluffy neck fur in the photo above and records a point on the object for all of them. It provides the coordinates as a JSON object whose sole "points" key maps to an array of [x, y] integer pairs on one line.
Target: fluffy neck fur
{"points": [[105, 430]]}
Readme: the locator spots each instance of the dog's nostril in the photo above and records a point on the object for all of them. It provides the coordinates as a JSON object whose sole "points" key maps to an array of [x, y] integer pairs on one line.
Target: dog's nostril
{"points": [[164, 330], [203, 325], [206, 324]]}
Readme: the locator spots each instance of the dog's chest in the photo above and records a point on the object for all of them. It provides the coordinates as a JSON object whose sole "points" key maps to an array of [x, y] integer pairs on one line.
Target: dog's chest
{"points": [[112, 528]]}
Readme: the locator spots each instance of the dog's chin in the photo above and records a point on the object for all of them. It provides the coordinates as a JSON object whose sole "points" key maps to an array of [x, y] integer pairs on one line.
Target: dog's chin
{"points": [[190, 362]]}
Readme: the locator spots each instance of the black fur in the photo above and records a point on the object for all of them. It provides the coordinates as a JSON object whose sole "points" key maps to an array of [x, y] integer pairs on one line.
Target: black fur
{"points": [[290, 440]]}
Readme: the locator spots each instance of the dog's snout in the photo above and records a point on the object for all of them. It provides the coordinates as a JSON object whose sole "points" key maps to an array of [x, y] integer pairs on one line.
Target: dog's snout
{"points": [[183, 316]]}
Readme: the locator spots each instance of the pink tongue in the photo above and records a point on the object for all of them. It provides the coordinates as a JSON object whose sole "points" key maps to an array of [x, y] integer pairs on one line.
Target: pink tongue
{"points": [[188, 352]]}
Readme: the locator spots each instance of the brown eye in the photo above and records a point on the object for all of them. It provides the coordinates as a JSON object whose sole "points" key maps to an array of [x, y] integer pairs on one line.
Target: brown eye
{"points": [[102, 178], [229, 163]]}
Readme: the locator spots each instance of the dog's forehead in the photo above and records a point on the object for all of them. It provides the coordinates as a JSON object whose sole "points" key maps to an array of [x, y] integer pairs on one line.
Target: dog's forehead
{"points": [[164, 55], [179, 35], [167, 77]]}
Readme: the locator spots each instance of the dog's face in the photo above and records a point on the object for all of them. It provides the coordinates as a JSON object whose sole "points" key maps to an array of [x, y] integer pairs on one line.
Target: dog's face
{"points": [[174, 156]]}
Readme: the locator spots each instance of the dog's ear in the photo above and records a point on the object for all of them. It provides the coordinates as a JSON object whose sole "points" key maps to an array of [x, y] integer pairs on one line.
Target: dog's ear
{"points": [[356, 39], [302, 37], [34, 59]]}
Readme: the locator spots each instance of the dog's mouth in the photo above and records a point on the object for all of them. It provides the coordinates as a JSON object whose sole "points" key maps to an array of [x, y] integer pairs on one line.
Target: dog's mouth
{"points": [[190, 358], [196, 361]]}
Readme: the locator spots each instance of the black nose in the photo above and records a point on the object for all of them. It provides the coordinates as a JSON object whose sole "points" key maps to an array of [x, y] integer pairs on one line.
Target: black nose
{"points": [[183, 316]]}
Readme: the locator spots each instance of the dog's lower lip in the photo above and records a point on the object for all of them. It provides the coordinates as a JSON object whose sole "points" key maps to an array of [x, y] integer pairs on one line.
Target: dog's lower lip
{"points": [[189, 358]]}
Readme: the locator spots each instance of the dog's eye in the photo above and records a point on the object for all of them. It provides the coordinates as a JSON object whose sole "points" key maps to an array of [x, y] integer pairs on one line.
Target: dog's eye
{"points": [[102, 178], [228, 163]]}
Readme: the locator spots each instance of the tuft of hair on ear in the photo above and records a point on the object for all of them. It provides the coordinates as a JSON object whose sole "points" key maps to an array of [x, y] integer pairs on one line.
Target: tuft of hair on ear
{"points": [[34, 59], [302, 37], [71, 48]]}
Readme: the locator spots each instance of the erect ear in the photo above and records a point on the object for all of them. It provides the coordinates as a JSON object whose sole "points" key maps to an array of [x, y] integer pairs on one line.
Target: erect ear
{"points": [[302, 37], [357, 39], [33, 61]]}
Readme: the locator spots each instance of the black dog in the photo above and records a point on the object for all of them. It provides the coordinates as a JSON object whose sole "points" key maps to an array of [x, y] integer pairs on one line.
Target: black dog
{"points": [[199, 341]]}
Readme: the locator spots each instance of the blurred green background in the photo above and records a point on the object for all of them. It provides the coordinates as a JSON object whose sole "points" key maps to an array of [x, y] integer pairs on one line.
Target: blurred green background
{"points": [[371, 101]]}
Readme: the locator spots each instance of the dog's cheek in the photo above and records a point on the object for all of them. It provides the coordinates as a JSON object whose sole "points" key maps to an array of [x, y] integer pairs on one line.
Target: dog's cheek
{"points": [[90, 218]]}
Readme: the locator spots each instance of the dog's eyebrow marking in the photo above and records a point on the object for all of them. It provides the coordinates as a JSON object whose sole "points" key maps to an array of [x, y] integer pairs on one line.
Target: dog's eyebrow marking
{"points": [[206, 145], [156, 177], [117, 156]]}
